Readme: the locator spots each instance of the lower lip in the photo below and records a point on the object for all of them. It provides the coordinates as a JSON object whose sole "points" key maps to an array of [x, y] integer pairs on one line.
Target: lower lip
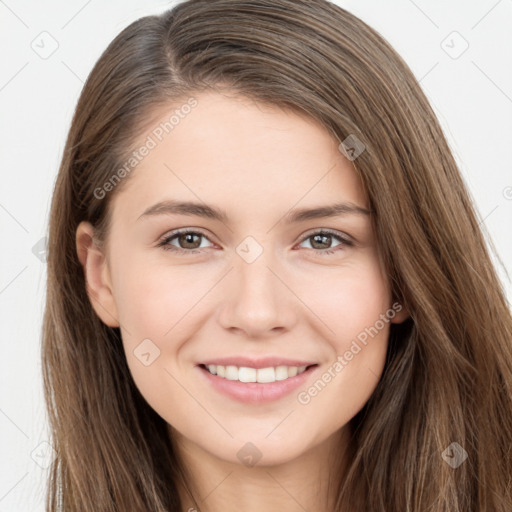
{"points": [[256, 392]]}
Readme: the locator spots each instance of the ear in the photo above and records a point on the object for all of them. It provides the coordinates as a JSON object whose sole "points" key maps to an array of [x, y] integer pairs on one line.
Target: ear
{"points": [[401, 313], [97, 275]]}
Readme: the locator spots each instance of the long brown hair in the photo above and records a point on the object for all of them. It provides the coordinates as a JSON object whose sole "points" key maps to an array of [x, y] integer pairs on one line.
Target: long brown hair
{"points": [[448, 373]]}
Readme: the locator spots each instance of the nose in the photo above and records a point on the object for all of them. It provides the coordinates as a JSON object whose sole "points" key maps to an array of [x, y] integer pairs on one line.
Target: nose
{"points": [[257, 301]]}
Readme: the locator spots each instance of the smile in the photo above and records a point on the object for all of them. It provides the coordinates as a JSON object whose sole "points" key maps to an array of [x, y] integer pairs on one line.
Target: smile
{"points": [[261, 375], [256, 385]]}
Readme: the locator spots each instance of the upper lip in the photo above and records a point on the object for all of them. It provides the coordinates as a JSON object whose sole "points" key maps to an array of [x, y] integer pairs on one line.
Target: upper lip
{"points": [[256, 362]]}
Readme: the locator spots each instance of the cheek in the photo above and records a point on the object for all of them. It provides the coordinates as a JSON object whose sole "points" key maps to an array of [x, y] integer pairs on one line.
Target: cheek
{"points": [[351, 299], [154, 297], [155, 300], [351, 305], [158, 314]]}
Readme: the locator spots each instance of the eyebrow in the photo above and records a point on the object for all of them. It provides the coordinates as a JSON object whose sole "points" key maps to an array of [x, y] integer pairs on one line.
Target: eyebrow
{"points": [[170, 207]]}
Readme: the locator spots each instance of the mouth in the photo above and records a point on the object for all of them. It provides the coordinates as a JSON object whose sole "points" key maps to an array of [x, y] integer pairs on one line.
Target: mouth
{"points": [[256, 386], [260, 375]]}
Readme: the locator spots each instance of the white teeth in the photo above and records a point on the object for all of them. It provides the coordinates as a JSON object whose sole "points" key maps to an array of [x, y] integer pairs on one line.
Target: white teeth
{"points": [[231, 373], [281, 372], [247, 374], [262, 375], [266, 375], [292, 371]]}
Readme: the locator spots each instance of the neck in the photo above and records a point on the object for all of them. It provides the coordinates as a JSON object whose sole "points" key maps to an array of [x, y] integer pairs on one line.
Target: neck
{"points": [[309, 481]]}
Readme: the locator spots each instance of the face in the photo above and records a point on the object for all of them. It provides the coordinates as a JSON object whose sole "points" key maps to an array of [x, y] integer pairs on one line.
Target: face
{"points": [[253, 286]]}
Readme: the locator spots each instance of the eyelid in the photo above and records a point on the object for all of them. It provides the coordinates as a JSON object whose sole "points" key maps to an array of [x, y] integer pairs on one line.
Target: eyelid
{"points": [[182, 231], [339, 234]]}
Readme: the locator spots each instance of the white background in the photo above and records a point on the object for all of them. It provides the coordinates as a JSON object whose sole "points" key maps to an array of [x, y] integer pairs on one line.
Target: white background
{"points": [[471, 94]]}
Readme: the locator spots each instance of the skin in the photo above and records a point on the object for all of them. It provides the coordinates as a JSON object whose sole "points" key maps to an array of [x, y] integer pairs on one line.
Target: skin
{"points": [[256, 163]]}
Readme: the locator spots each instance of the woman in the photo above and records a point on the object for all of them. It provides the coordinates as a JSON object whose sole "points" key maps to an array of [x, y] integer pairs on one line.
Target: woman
{"points": [[337, 339]]}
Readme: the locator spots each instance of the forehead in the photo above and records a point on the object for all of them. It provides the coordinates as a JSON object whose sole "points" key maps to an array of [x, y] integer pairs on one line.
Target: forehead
{"points": [[230, 150]]}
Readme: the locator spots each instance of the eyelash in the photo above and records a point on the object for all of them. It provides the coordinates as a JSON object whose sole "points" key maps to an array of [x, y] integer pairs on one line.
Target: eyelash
{"points": [[165, 242]]}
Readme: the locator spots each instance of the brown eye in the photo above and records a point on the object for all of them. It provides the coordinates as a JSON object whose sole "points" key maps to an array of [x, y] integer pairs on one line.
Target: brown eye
{"points": [[321, 242], [186, 241], [183, 241]]}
